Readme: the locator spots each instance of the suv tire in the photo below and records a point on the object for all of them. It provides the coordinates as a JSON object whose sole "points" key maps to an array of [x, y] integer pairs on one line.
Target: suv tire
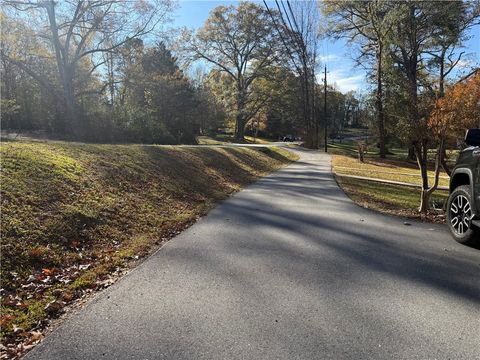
{"points": [[459, 212]]}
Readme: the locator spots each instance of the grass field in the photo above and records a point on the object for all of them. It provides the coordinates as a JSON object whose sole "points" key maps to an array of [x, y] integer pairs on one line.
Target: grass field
{"points": [[75, 215], [386, 169], [393, 199]]}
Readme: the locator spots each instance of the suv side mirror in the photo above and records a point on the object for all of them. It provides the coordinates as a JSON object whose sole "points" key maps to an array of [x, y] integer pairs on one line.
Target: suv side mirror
{"points": [[472, 137]]}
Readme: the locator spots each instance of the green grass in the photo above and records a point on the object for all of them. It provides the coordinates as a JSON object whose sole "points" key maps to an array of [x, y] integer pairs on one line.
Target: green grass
{"points": [[386, 169], [392, 199], [347, 132], [73, 214], [355, 131], [258, 140], [207, 140]]}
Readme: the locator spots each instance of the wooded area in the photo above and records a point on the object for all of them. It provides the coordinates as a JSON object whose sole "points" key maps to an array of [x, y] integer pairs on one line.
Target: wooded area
{"points": [[102, 72], [110, 71]]}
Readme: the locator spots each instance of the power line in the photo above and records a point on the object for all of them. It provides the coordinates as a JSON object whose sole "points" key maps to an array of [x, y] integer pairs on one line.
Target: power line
{"points": [[281, 37], [293, 32]]}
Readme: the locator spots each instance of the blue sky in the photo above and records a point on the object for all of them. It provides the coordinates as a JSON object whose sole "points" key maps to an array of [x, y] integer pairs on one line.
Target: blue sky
{"points": [[337, 55]]}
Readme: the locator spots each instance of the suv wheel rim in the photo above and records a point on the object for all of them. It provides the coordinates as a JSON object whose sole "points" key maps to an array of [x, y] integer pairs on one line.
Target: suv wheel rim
{"points": [[460, 214]]}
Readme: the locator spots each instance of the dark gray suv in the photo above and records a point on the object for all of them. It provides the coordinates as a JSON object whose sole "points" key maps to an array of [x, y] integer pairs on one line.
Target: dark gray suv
{"points": [[463, 205]]}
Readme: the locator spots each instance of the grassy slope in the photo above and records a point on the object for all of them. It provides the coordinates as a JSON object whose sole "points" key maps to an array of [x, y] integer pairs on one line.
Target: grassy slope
{"points": [[393, 199], [74, 214]]}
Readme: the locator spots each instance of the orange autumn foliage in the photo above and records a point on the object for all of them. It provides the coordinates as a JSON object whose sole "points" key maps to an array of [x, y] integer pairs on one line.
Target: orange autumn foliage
{"points": [[458, 110]]}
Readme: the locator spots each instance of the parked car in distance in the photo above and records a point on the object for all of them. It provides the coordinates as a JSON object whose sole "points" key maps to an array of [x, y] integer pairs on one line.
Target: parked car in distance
{"points": [[289, 138], [463, 204]]}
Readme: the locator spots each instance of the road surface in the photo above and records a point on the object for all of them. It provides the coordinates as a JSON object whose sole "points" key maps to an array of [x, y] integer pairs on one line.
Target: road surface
{"points": [[288, 268]]}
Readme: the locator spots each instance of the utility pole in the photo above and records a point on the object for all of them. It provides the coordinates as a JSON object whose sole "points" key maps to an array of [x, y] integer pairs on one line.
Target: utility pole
{"points": [[314, 113], [325, 105]]}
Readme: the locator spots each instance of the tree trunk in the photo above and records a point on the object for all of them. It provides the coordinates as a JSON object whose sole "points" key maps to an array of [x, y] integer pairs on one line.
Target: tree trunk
{"points": [[443, 162], [421, 149], [239, 126], [73, 122], [255, 130], [111, 77], [379, 103], [425, 196], [441, 94], [240, 116], [420, 144], [441, 82], [314, 114], [411, 153], [361, 151], [424, 201], [65, 72]]}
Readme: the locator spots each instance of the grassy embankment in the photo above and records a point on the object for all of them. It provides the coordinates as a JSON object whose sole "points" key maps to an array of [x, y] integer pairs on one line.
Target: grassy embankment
{"points": [[388, 198], [74, 215]]}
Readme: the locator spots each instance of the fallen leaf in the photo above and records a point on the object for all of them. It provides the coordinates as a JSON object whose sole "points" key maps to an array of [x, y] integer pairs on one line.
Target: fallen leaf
{"points": [[68, 296], [57, 292], [35, 336], [17, 329], [47, 280], [5, 319], [54, 307], [28, 286], [47, 271], [27, 347], [21, 305]]}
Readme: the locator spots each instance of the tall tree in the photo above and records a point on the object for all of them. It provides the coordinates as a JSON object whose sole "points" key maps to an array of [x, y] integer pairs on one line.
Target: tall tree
{"points": [[283, 112], [417, 23], [24, 105], [444, 53], [297, 27], [79, 32], [160, 103], [240, 42], [370, 22], [445, 56]]}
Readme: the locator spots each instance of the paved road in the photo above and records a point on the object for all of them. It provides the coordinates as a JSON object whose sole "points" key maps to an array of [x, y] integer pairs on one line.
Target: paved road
{"points": [[289, 268]]}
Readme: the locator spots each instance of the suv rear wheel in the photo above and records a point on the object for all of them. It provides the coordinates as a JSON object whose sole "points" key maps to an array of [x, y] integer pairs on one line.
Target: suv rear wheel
{"points": [[459, 215]]}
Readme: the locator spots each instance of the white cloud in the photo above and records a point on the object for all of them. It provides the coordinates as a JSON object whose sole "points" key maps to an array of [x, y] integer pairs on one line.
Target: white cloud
{"points": [[326, 58], [351, 83], [465, 63], [343, 79]]}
